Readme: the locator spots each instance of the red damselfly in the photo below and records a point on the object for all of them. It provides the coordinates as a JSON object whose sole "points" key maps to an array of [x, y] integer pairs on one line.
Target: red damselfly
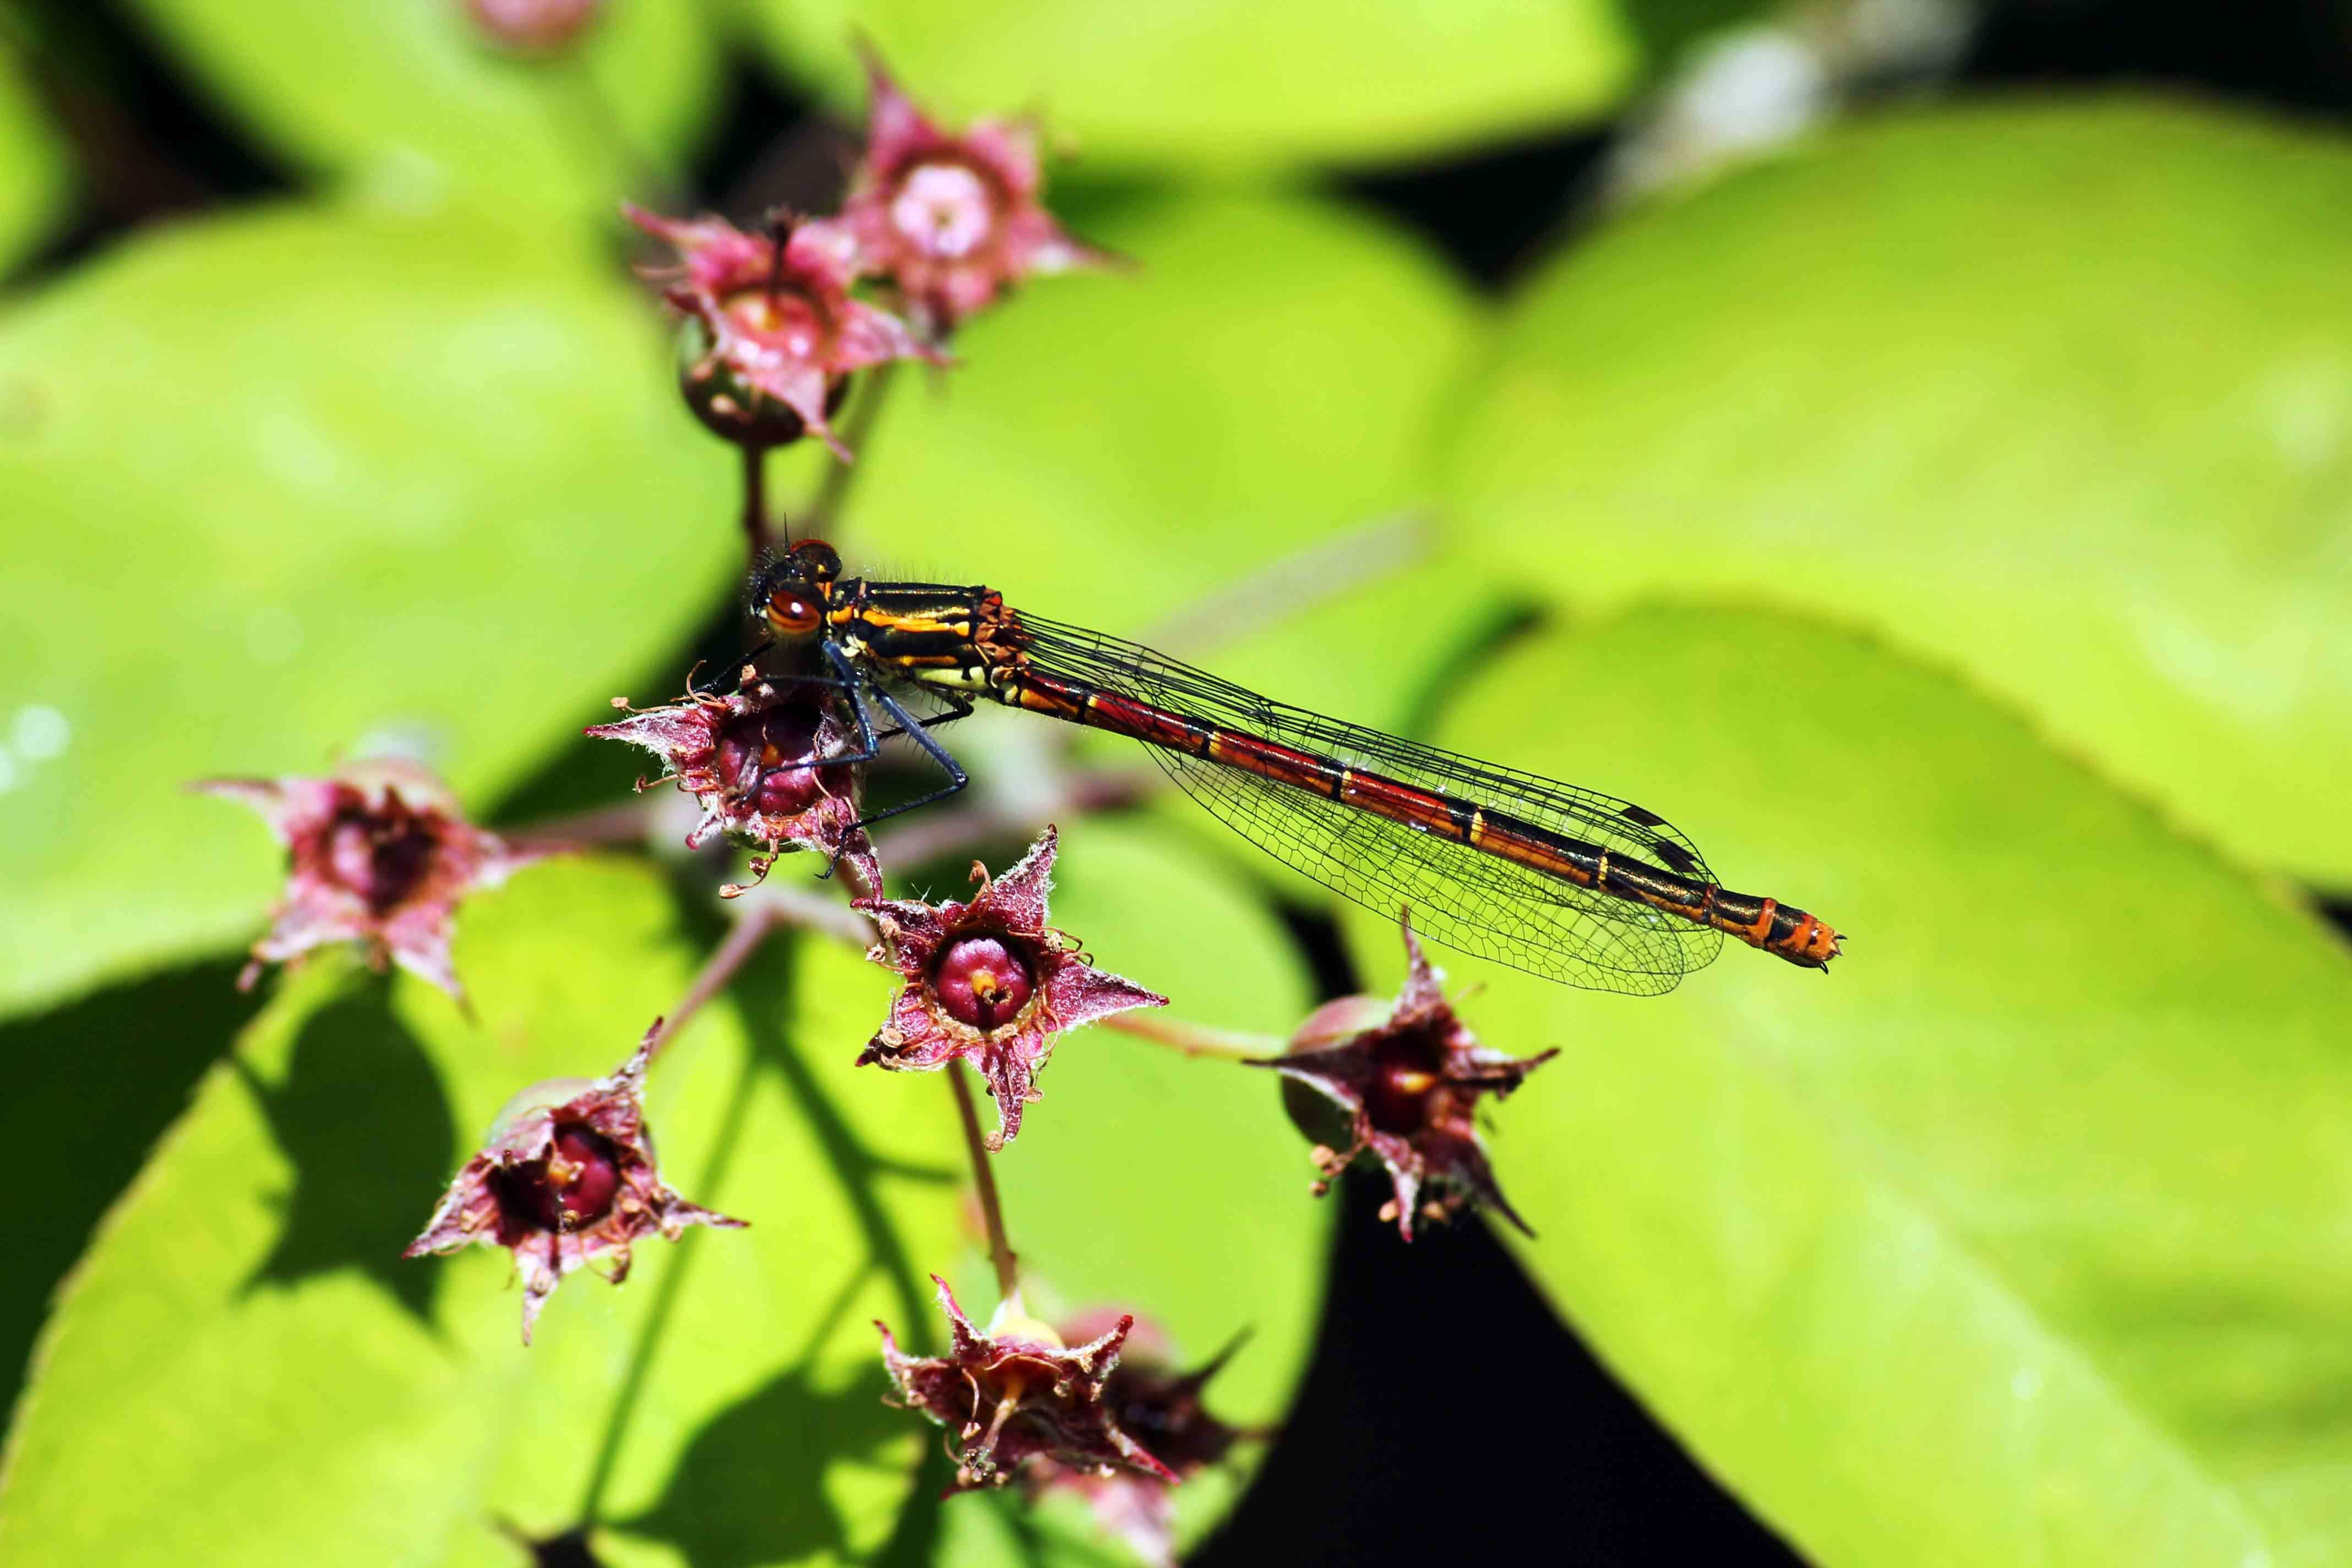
{"points": [[1558, 882]]}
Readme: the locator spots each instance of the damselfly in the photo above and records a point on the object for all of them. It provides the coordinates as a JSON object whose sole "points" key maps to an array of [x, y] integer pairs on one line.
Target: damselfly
{"points": [[1543, 877]]}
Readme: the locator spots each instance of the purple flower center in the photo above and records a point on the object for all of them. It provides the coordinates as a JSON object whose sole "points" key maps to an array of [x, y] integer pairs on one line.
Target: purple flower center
{"points": [[1408, 1068], [756, 754], [575, 1188], [379, 856], [982, 981], [945, 210]]}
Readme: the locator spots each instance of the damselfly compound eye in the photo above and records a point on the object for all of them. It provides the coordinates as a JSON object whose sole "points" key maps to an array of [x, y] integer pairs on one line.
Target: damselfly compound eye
{"points": [[793, 614]]}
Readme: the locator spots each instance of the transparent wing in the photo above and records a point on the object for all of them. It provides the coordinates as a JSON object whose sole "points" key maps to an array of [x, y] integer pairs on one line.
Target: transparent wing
{"points": [[1459, 896]]}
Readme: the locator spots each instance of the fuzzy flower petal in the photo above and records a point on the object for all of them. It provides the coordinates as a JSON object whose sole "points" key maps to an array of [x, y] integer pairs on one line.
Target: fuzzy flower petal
{"points": [[1016, 1394], [1155, 1405], [952, 221], [780, 334], [991, 981], [1406, 1087], [566, 1178], [377, 853], [744, 758]]}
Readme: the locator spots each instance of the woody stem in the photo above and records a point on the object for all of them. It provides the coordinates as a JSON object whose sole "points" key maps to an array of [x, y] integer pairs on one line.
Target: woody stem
{"points": [[1196, 1039], [984, 1178]]}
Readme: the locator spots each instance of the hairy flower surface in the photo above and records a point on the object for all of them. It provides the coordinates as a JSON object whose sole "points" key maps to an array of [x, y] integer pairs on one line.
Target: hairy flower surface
{"points": [[1016, 1394], [989, 981], [377, 853], [952, 221], [565, 1178], [780, 334], [1160, 1407], [1407, 1086], [744, 758]]}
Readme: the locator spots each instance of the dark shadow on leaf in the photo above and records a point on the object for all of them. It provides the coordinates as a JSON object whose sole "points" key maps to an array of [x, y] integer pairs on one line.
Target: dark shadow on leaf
{"points": [[763, 996], [92, 1085], [750, 1489], [362, 1116]]}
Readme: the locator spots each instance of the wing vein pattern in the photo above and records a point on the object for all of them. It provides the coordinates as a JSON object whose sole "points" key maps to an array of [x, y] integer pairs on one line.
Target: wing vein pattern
{"points": [[1461, 897]]}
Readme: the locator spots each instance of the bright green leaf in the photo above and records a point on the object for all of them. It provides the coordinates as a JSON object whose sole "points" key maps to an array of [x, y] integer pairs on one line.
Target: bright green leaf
{"points": [[289, 485], [2060, 395], [2021, 1235], [408, 94], [248, 1371], [34, 175], [1228, 85]]}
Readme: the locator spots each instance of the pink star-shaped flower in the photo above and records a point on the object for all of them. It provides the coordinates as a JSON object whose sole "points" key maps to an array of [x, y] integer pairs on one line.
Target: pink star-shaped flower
{"points": [[1406, 1081], [991, 981], [743, 757], [951, 221], [377, 853], [781, 333], [566, 1177], [1016, 1394]]}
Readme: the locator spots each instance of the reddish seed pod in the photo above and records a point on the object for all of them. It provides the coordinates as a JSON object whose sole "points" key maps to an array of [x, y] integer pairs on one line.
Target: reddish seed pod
{"points": [[982, 981]]}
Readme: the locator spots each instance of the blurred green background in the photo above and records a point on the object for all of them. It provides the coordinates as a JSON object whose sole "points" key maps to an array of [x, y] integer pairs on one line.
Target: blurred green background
{"points": [[1908, 443]]}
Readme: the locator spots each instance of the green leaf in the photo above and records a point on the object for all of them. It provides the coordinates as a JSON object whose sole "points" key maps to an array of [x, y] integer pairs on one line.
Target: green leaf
{"points": [[2060, 395], [1117, 447], [2018, 1237], [409, 94], [294, 484], [247, 1369], [35, 173], [1227, 85]]}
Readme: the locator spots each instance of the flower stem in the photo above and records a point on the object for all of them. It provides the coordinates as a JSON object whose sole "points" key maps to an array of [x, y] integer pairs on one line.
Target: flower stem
{"points": [[983, 1179], [752, 927], [821, 518], [755, 503], [1196, 1039]]}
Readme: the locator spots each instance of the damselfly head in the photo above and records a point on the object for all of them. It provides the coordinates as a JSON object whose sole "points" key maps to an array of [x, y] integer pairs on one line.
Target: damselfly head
{"points": [[790, 591]]}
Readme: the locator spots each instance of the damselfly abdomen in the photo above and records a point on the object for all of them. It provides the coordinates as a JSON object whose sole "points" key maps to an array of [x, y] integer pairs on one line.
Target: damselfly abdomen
{"points": [[1544, 876]]}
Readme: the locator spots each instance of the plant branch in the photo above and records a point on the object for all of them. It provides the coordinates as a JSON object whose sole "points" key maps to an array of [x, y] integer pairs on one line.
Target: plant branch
{"points": [[984, 1178], [1196, 1039], [1286, 588], [752, 927], [755, 503], [944, 832], [821, 517]]}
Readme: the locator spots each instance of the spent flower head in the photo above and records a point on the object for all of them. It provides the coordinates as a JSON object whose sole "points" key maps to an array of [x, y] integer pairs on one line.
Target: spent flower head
{"points": [[378, 853], [1405, 1079], [991, 981], [950, 220], [1017, 1393], [1154, 1405], [748, 760], [565, 1178], [777, 332]]}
